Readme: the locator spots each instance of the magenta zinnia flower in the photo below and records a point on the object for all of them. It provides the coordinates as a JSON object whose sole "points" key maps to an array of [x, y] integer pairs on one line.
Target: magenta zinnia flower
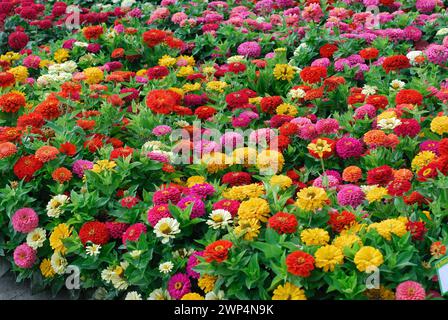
{"points": [[198, 209], [193, 262], [350, 195], [179, 285], [348, 147]]}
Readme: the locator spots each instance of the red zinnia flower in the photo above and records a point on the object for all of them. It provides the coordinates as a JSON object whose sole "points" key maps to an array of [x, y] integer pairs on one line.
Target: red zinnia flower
{"points": [[339, 221], [381, 175], [288, 129], [92, 32], [269, 104], [162, 101], [327, 50], [68, 148], [398, 187], [369, 53], [410, 96], [236, 99], [18, 40], [416, 197], [6, 79], [153, 37], [236, 178], [283, 222], [129, 202], [378, 101], [33, 119], [26, 166], [205, 112], [428, 172], [49, 108], [395, 63], [157, 72], [95, 232], [217, 251], [356, 98], [121, 152], [417, 229], [117, 53], [408, 127], [300, 263], [313, 74], [11, 102], [62, 175]]}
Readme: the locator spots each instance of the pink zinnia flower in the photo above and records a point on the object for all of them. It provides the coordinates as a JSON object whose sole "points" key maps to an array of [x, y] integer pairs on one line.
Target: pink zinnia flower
{"points": [[410, 290], [25, 220], [24, 256], [133, 233]]}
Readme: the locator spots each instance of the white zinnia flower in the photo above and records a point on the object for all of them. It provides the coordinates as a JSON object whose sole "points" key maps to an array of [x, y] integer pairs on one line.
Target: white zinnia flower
{"points": [[397, 84], [166, 229], [54, 205], [133, 295], [215, 296], [159, 294], [135, 253], [442, 32], [127, 3], [219, 218], [369, 90], [412, 55], [36, 238], [296, 93], [93, 249], [237, 58], [166, 267], [389, 124], [58, 263]]}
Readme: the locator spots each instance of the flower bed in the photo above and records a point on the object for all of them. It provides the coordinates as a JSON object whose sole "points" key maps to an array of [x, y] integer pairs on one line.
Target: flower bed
{"points": [[189, 150]]}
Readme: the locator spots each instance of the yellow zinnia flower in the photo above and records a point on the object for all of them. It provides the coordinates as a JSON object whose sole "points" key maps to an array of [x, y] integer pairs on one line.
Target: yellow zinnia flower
{"points": [[288, 292], [328, 257], [253, 190], [346, 241], [254, 208], [376, 194], [192, 296], [388, 227], [61, 55], [207, 282], [311, 198], [439, 125], [282, 181], [167, 61], [315, 237], [287, 109], [59, 233], [103, 165], [284, 72], [93, 75], [422, 159], [270, 161], [193, 180], [217, 86], [368, 257], [46, 269], [20, 73], [250, 228]]}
